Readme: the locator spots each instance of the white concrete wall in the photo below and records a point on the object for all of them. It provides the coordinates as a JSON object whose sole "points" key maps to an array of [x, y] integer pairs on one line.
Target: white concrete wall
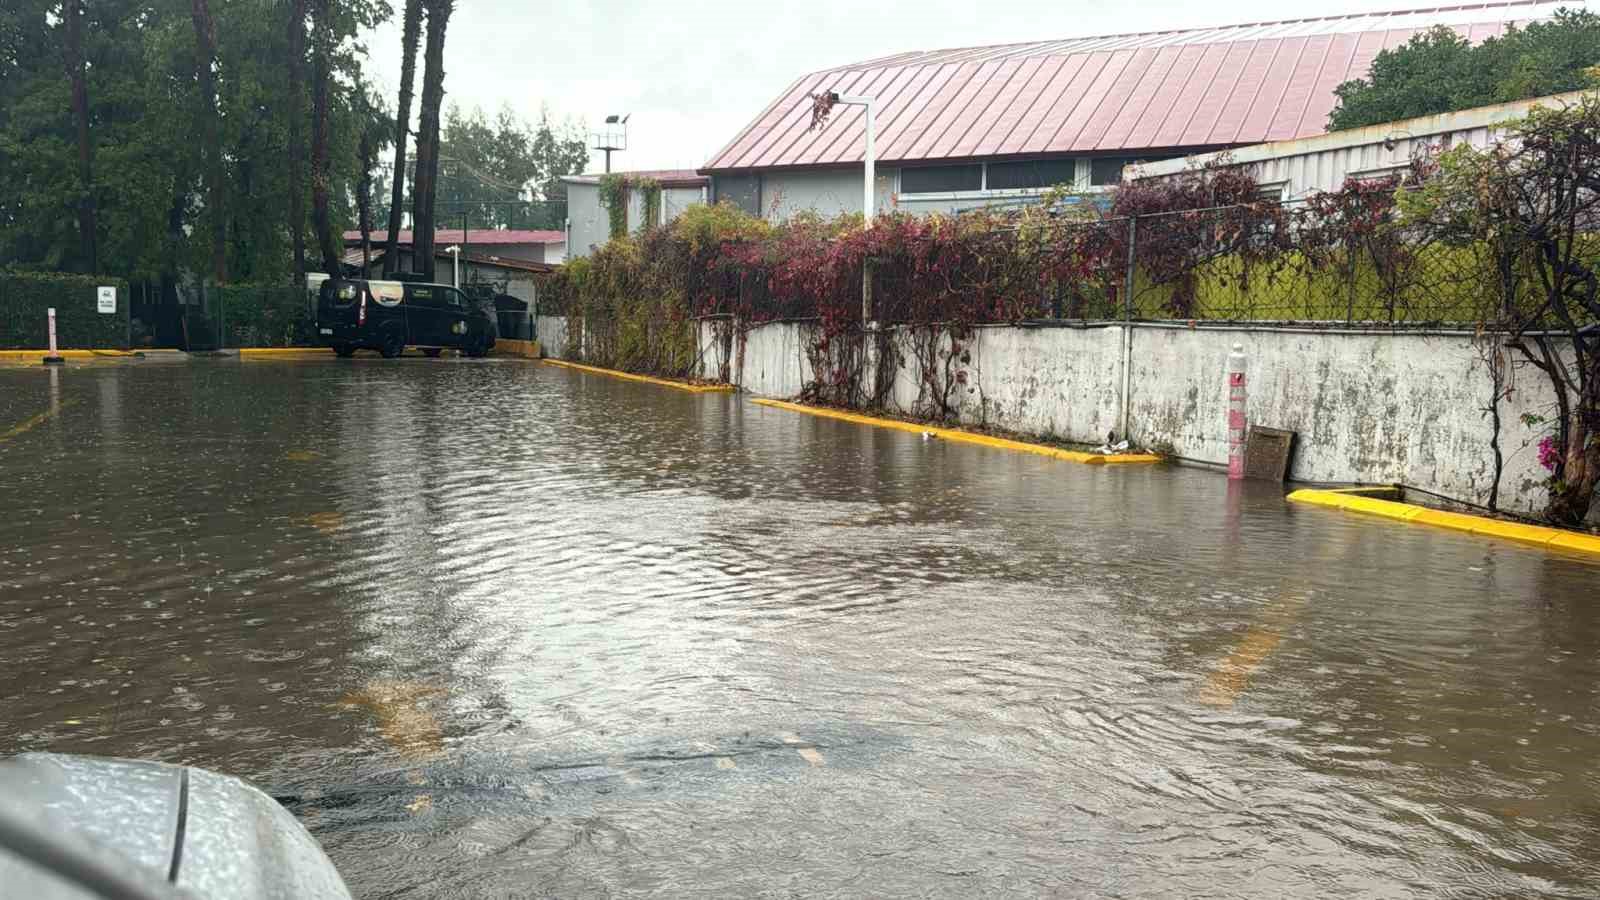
{"points": [[1368, 408]]}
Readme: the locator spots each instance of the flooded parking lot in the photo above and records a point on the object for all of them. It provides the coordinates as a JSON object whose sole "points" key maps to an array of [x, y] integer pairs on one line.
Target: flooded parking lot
{"points": [[492, 628]]}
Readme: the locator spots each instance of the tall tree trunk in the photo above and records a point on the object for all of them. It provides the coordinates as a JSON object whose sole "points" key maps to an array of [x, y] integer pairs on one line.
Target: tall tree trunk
{"points": [[409, 35], [1579, 471], [76, 74], [297, 138], [364, 187], [205, 32], [427, 179], [321, 87]]}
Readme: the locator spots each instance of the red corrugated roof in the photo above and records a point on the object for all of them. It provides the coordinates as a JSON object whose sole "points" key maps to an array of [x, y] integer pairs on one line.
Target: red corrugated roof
{"points": [[1166, 90], [474, 236]]}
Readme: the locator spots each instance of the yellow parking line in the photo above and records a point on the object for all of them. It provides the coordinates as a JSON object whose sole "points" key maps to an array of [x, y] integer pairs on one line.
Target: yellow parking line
{"points": [[629, 376], [402, 720], [1538, 535], [965, 437], [809, 754], [1229, 679], [32, 422]]}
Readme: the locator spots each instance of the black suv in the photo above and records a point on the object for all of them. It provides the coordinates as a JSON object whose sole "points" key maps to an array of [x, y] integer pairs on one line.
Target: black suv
{"points": [[388, 316]]}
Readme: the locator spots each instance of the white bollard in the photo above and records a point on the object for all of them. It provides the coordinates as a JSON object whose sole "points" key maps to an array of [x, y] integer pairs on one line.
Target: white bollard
{"points": [[1238, 426], [54, 357]]}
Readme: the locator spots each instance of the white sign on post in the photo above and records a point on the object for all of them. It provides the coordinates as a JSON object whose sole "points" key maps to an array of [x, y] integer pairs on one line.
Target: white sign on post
{"points": [[108, 299]]}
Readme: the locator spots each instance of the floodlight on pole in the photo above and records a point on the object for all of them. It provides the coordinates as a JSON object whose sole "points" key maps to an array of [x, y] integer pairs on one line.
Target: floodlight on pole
{"points": [[613, 137]]}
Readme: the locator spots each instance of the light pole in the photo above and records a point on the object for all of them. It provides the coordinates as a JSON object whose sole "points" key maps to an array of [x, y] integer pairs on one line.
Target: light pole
{"points": [[868, 198], [455, 264], [821, 105]]}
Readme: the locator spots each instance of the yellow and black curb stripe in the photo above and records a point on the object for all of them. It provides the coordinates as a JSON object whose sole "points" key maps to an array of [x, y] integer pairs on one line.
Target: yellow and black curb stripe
{"points": [[679, 385], [1538, 535], [968, 437]]}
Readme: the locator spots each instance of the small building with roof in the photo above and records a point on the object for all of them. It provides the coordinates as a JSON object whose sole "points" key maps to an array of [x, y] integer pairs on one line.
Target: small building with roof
{"points": [[589, 222], [981, 126]]}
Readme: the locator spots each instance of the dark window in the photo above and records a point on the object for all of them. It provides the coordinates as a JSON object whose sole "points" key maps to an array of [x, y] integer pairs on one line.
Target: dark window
{"points": [[1107, 170], [939, 179], [1040, 173], [743, 191]]}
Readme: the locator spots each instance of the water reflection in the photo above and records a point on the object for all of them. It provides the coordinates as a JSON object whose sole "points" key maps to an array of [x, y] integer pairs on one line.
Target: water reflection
{"points": [[494, 628]]}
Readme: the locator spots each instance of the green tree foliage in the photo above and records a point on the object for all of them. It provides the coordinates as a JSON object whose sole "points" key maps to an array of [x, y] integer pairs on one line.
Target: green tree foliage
{"points": [[1440, 71], [506, 172], [147, 183], [1527, 208]]}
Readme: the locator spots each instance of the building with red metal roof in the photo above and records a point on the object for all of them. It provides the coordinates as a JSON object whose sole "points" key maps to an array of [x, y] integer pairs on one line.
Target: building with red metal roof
{"points": [[975, 125]]}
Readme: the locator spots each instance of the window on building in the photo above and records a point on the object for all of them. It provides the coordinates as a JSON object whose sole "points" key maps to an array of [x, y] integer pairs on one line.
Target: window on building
{"points": [[743, 191], [941, 179], [1039, 173], [1272, 192], [1107, 169]]}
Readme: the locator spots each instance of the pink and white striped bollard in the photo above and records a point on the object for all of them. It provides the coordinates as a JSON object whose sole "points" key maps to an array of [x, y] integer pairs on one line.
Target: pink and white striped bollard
{"points": [[1238, 426]]}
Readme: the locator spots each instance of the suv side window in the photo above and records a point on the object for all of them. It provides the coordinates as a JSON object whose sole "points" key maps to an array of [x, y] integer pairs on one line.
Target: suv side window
{"points": [[422, 295], [452, 297]]}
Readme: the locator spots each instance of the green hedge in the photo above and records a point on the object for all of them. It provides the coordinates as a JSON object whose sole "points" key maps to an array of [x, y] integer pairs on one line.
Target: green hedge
{"points": [[258, 315], [26, 296]]}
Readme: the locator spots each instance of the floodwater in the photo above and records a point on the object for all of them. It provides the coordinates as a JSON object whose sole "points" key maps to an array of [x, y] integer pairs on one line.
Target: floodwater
{"points": [[491, 628]]}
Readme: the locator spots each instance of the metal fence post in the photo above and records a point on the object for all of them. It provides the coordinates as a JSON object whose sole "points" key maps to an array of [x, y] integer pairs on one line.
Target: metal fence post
{"points": [[1127, 300], [1350, 285]]}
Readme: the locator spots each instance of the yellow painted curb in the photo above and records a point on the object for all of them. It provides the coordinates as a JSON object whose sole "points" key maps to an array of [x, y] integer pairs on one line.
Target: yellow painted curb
{"points": [[37, 355], [680, 385], [966, 437], [1538, 535], [510, 347], [283, 351]]}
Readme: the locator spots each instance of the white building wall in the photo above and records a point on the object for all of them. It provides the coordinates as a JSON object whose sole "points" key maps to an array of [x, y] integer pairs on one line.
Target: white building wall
{"points": [[1322, 163], [589, 226], [830, 192], [591, 223]]}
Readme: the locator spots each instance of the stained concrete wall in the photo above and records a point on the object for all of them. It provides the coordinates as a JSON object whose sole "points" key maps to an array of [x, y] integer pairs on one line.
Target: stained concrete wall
{"points": [[1369, 408], [552, 332]]}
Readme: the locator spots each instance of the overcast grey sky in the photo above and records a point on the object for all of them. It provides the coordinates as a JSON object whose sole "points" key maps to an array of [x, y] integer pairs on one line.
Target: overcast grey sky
{"points": [[693, 74]]}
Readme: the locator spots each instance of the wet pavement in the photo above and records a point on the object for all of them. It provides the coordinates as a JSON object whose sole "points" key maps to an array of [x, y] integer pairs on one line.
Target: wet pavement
{"points": [[491, 628]]}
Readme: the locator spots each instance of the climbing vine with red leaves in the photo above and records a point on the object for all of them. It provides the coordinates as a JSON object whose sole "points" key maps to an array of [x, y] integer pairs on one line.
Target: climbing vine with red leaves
{"points": [[1159, 249]]}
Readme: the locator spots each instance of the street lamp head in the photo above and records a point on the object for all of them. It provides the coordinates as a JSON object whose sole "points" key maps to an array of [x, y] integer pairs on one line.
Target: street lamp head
{"points": [[611, 120]]}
